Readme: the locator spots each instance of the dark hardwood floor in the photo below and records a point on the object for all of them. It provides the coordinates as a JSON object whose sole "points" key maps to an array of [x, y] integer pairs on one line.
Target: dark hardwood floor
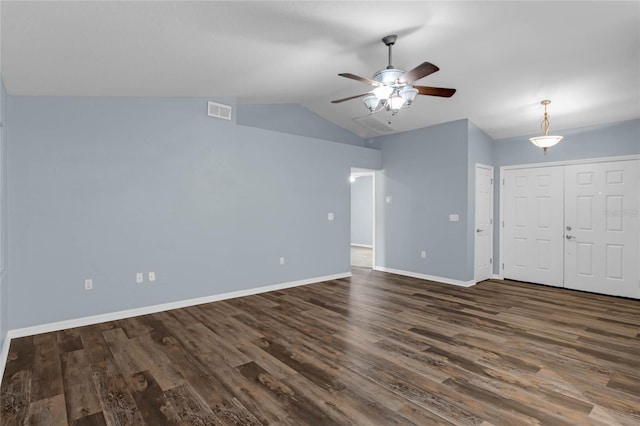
{"points": [[376, 349]]}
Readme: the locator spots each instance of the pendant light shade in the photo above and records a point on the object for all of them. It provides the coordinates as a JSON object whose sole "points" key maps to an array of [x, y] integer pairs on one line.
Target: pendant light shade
{"points": [[545, 141]]}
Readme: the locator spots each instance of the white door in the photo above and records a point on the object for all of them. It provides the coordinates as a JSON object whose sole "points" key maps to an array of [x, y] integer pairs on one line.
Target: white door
{"points": [[601, 220], [533, 225], [484, 223]]}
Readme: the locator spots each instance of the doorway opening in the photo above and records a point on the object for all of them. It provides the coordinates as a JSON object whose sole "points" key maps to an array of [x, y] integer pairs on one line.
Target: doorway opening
{"points": [[362, 218]]}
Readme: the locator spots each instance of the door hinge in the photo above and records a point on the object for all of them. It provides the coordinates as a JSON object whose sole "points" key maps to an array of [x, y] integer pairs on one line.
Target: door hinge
{"points": [[490, 221], [503, 181], [491, 261], [503, 223], [503, 266], [491, 181]]}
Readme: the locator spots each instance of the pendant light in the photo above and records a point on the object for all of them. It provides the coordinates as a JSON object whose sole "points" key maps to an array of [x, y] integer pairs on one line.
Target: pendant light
{"points": [[545, 141]]}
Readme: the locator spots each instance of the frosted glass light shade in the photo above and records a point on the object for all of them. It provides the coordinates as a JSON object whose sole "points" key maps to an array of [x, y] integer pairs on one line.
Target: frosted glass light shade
{"points": [[408, 94], [382, 92], [396, 102], [371, 102], [545, 141]]}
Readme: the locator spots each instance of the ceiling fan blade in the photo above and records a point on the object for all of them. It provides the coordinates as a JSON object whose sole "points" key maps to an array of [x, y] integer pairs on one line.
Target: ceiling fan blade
{"points": [[435, 91], [337, 101], [422, 70], [358, 78]]}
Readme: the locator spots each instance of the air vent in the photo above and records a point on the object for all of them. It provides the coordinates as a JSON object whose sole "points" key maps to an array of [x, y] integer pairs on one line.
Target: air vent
{"points": [[219, 110], [372, 123]]}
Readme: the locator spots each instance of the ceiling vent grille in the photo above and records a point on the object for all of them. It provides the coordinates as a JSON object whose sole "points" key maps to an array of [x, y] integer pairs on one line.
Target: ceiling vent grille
{"points": [[219, 110], [372, 123]]}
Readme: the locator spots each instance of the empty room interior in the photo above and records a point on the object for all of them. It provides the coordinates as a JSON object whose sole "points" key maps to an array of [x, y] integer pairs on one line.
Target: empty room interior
{"points": [[319, 213]]}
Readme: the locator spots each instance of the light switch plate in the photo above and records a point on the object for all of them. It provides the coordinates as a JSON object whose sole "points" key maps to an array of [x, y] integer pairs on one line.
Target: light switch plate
{"points": [[330, 216], [454, 218]]}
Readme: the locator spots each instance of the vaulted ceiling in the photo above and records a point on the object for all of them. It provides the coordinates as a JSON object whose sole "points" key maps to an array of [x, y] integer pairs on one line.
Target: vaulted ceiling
{"points": [[502, 57]]}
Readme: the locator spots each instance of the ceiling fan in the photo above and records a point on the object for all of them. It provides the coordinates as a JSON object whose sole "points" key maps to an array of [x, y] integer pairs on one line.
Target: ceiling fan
{"points": [[393, 88]]}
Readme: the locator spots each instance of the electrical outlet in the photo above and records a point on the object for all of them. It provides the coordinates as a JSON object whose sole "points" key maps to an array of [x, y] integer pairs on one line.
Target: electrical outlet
{"points": [[423, 254], [282, 260], [139, 277], [152, 277], [330, 216], [88, 284]]}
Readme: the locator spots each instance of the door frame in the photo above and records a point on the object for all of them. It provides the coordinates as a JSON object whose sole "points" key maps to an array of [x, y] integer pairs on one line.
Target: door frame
{"points": [[502, 169], [475, 223], [371, 173]]}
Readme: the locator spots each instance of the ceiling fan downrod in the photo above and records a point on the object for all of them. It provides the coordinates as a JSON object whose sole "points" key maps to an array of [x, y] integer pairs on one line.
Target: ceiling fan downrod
{"points": [[389, 41]]}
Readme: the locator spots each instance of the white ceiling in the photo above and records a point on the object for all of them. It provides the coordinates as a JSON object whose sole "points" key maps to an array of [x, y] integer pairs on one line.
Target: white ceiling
{"points": [[502, 57]]}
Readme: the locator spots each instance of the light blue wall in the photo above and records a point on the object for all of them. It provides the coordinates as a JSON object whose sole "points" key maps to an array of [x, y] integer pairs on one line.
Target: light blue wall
{"points": [[103, 188], [362, 211], [294, 119], [609, 140], [4, 276], [426, 174]]}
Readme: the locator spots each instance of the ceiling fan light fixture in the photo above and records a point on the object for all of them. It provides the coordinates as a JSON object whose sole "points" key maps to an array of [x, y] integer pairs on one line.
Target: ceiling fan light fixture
{"points": [[545, 141], [396, 102], [408, 93], [393, 88], [371, 102]]}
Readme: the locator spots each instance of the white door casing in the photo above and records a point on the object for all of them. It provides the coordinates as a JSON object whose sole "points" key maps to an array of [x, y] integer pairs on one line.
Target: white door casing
{"points": [[483, 245], [533, 225], [602, 227]]}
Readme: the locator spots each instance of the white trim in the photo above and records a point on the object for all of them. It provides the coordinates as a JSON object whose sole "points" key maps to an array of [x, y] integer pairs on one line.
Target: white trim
{"points": [[360, 174], [362, 245], [4, 354], [371, 173], [572, 162], [373, 222], [426, 277], [501, 221], [112, 316], [497, 277]]}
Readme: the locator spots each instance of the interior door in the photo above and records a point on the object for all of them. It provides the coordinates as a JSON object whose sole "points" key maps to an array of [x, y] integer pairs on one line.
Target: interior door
{"points": [[483, 252], [601, 219], [533, 225]]}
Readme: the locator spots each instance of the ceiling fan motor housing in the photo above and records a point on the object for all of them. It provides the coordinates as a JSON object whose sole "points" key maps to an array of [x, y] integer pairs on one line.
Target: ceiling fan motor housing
{"points": [[388, 76]]}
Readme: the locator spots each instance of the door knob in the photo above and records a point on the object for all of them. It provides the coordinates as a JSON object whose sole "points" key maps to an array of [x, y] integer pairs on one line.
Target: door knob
{"points": [[568, 228], [570, 237], [478, 230]]}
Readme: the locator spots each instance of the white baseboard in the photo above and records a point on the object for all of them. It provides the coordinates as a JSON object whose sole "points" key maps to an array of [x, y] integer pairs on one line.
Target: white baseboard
{"points": [[426, 277], [497, 277], [112, 316], [362, 245], [4, 354]]}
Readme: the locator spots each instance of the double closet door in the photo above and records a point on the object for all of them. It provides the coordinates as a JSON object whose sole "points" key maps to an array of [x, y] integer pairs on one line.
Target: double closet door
{"points": [[574, 226]]}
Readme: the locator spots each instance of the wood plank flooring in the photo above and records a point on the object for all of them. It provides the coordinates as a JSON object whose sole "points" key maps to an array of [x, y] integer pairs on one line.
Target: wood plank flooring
{"points": [[375, 349]]}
